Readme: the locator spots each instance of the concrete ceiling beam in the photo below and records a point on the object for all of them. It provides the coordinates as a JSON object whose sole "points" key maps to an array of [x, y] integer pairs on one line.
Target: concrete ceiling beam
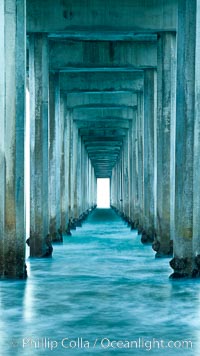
{"points": [[89, 143], [96, 139], [101, 133], [99, 82], [91, 55], [103, 36], [101, 15], [98, 159], [90, 114], [111, 124], [108, 150], [102, 69], [122, 98]]}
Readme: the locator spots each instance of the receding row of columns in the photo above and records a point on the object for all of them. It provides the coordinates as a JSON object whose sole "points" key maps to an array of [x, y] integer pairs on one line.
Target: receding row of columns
{"points": [[62, 179], [63, 183], [164, 196], [155, 183], [12, 122]]}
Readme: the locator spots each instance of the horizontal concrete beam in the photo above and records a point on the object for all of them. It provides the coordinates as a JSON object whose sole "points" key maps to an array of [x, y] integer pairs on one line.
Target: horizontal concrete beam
{"points": [[121, 98], [65, 93], [104, 147], [110, 124], [107, 151], [97, 160], [104, 164], [104, 36], [97, 139], [101, 69], [98, 106], [103, 173], [104, 143], [104, 167], [87, 134], [105, 81], [101, 157], [67, 15], [73, 54], [95, 114]]}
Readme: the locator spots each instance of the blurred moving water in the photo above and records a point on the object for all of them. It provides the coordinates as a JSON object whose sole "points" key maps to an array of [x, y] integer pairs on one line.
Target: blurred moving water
{"points": [[103, 293]]}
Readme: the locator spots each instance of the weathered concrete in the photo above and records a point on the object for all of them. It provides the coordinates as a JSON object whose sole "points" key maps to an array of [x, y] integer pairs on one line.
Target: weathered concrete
{"points": [[97, 113], [55, 139], [125, 176], [76, 172], [63, 168], [139, 160], [70, 176], [101, 81], [134, 214], [110, 111], [196, 186], [185, 118], [39, 87], [165, 142], [74, 100], [73, 54], [67, 162], [12, 118], [65, 16], [149, 159]]}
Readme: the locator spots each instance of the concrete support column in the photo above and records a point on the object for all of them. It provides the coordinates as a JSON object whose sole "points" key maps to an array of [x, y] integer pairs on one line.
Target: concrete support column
{"points": [[84, 165], [121, 202], [115, 190], [89, 184], [39, 97], [79, 177], [113, 187], [165, 143], [54, 158], [82, 175], [76, 172], [149, 159], [118, 186], [125, 177], [71, 166], [87, 181], [140, 159], [12, 108], [112, 179], [63, 164], [67, 143], [196, 185], [134, 181], [94, 189], [187, 182], [131, 170]]}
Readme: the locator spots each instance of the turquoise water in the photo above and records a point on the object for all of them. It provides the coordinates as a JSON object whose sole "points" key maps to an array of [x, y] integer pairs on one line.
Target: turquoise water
{"points": [[103, 293]]}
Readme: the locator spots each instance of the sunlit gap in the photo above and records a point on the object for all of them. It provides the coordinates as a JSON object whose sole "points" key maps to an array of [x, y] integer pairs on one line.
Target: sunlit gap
{"points": [[103, 192]]}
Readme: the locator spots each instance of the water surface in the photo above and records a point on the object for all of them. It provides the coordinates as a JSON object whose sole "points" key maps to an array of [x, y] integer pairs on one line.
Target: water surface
{"points": [[103, 293]]}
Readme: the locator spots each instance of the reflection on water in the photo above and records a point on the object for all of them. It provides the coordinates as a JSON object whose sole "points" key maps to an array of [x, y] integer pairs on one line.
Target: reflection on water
{"points": [[101, 293]]}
